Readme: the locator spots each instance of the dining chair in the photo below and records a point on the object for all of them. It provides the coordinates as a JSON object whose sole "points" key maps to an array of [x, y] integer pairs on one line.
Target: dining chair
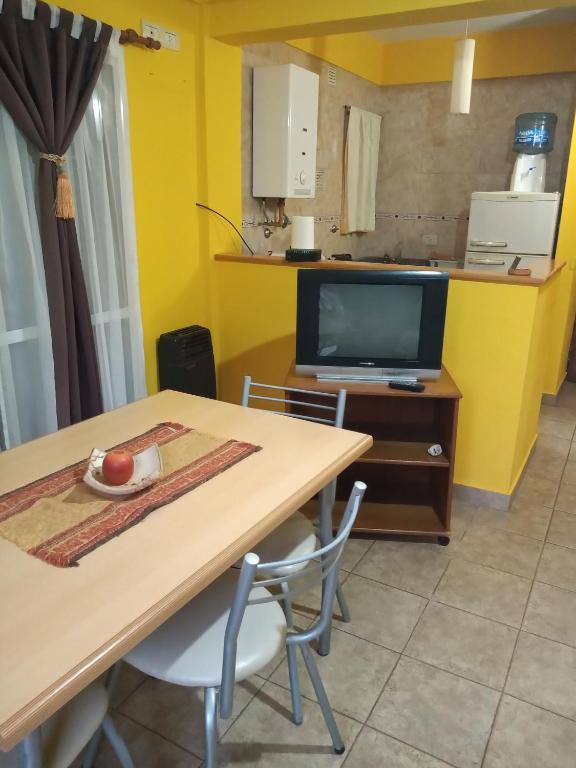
{"points": [[236, 626], [70, 732], [297, 535]]}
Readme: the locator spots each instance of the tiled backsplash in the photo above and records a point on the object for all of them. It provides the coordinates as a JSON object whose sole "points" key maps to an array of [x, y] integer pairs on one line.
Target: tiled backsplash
{"points": [[430, 161]]}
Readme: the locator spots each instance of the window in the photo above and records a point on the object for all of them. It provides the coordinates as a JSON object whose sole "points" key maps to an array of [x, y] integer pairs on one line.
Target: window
{"points": [[100, 172]]}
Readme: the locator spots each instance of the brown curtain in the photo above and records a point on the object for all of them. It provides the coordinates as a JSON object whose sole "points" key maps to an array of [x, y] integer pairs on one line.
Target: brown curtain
{"points": [[46, 80]]}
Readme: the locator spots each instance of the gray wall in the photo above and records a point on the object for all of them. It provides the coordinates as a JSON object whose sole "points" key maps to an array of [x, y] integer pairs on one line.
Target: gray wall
{"points": [[430, 161]]}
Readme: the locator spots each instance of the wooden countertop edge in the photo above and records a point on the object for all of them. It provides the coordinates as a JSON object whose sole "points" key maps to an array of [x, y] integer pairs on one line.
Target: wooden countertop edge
{"points": [[19, 725], [455, 274]]}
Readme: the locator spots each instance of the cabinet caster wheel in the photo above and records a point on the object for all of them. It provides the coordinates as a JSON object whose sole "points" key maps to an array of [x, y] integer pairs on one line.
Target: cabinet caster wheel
{"points": [[443, 541]]}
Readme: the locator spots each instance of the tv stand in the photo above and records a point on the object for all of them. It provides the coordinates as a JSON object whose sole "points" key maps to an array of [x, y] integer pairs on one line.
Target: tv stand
{"points": [[409, 491]]}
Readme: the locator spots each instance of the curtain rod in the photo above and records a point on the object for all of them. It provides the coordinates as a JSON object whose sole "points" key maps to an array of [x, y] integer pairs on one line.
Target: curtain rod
{"points": [[131, 37]]}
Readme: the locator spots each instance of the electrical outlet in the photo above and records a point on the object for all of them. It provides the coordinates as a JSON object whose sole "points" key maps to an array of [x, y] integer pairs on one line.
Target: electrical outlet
{"points": [[430, 239], [165, 37], [153, 31]]}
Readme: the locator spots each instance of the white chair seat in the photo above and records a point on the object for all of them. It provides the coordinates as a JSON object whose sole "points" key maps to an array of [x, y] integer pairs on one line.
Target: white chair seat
{"points": [[188, 648], [69, 730], [296, 537]]}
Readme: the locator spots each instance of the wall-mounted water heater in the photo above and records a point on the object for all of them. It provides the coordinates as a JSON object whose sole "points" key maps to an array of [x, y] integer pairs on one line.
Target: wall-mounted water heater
{"points": [[284, 131]]}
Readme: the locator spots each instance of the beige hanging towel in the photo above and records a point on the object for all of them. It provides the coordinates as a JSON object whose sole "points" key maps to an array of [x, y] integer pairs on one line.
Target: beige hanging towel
{"points": [[362, 143]]}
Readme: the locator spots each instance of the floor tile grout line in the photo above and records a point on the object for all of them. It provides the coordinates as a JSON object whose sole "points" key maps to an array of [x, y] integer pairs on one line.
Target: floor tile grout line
{"points": [[557, 586], [550, 639], [499, 570], [161, 736], [440, 580], [488, 527], [499, 705], [115, 707], [539, 706], [451, 559], [393, 670], [392, 586], [362, 556], [450, 672], [374, 642], [407, 744], [286, 688], [437, 601]]}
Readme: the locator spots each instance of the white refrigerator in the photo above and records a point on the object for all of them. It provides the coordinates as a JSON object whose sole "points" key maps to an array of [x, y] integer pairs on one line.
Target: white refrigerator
{"points": [[507, 225]]}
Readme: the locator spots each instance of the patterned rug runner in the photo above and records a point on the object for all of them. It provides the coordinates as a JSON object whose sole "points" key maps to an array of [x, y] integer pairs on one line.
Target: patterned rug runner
{"points": [[59, 519]]}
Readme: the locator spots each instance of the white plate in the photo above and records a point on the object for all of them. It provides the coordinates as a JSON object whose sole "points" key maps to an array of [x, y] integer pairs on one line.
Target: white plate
{"points": [[147, 469]]}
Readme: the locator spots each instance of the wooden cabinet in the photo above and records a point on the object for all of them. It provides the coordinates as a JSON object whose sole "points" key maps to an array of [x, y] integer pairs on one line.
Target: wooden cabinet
{"points": [[409, 491]]}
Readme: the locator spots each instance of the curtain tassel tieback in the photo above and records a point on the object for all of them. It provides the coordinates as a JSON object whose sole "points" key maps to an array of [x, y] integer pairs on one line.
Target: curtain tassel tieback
{"points": [[64, 203]]}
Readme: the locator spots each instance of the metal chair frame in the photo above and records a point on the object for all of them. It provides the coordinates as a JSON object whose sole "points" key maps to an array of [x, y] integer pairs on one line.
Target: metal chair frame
{"points": [[328, 494], [323, 562], [30, 748]]}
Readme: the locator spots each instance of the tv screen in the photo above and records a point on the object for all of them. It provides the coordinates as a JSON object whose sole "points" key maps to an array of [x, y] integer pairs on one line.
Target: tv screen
{"points": [[359, 324], [355, 320]]}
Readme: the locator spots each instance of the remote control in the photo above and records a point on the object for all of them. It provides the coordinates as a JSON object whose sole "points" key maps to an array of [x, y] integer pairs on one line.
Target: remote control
{"points": [[407, 385]]}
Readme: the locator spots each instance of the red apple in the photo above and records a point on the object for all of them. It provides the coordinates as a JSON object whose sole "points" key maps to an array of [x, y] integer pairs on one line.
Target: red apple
{"points": [[118, 467]]}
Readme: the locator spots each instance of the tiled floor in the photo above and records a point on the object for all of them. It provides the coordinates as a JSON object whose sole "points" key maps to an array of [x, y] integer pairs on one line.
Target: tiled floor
{"points": [[462, 656]]}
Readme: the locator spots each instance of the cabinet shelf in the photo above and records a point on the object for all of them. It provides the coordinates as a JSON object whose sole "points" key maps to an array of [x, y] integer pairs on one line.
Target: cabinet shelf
{"points": [[409, 492], [382, 518], [403, 452]]}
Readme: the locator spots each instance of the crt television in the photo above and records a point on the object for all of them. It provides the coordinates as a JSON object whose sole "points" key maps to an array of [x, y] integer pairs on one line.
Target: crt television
{"points": [[360, 325]]}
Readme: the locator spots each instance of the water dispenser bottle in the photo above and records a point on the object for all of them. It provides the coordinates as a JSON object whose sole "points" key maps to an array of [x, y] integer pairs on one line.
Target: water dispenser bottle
{"points": [[533, 140], [534, 133]]}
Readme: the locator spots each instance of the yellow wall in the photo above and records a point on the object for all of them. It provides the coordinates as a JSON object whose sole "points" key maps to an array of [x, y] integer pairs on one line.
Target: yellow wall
{"points": [[166, 142], [241, 22], [356, 52], [563, 309], [508, 53], [184, 110]]}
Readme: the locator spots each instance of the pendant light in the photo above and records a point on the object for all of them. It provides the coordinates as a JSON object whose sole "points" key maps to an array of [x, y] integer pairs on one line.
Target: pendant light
{"points": [[462, 75]]}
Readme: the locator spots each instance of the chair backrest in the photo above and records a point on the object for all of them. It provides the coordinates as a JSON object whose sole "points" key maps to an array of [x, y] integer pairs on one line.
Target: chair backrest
{"points": [[324, 407], [322, 564]]}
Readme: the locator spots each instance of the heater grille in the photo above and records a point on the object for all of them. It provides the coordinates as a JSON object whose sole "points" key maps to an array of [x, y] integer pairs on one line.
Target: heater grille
{"points": [[186, 361]]}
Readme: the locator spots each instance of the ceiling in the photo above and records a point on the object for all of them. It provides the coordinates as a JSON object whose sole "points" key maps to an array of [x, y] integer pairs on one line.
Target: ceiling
{"points": [[488, 24]]}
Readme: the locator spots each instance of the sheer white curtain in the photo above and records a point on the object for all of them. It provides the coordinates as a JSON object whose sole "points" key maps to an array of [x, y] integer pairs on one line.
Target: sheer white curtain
{"points": [[100, 171], [27, 396], [101, 176]]}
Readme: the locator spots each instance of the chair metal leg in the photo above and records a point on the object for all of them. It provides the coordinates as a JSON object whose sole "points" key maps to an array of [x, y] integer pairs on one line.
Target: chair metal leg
{"points": [[326, 499], [117, 742], [112, 677], [92, 749], [287, 605], [30, 750], [294, 685], [210, 727], [342, 602], [322, 698]]}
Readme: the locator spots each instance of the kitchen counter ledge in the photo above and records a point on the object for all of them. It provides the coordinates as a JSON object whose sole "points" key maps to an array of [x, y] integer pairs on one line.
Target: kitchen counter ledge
{"points": [[455, 274]]}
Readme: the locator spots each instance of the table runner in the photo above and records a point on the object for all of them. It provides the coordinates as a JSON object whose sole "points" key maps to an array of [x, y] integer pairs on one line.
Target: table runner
{"points": [[59, 519]]}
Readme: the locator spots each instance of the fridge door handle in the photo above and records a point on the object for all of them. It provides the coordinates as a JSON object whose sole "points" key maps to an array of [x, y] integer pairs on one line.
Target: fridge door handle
{"points": [[489, 243]]}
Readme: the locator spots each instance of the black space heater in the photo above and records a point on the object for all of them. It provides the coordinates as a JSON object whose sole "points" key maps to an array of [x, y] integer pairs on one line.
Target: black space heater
{"points": [[186, 361]]}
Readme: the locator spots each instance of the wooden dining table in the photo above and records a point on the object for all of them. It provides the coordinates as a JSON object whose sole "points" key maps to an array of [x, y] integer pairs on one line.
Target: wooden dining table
{"points": [[61, 628]]}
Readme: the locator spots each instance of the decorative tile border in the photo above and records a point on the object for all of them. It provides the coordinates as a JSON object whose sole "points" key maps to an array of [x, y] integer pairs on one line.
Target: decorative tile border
{"points": [[380, 215], [420, 216]]}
